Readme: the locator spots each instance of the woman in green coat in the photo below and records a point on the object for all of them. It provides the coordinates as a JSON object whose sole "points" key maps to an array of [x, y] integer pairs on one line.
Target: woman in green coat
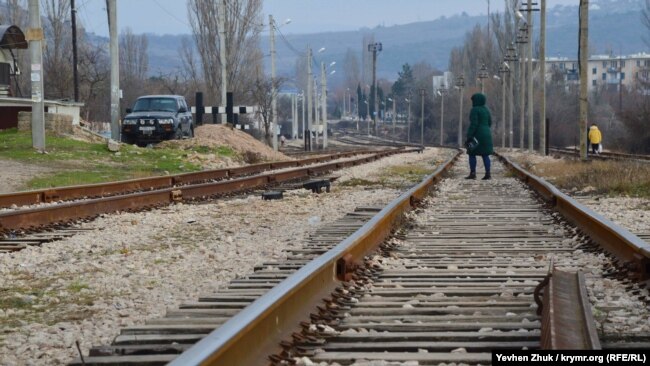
{"points": [[479, 136]]}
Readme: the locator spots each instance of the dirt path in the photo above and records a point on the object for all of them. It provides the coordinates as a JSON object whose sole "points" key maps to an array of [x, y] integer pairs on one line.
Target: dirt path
{"points": [[14, 175]]}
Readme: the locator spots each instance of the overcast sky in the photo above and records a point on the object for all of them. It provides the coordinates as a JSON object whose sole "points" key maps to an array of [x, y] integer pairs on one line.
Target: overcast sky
{"points": [[308, 16]]}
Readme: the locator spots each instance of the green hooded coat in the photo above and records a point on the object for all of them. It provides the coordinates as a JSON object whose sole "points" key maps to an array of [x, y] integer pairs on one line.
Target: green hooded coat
{"points": [[479, 128]]}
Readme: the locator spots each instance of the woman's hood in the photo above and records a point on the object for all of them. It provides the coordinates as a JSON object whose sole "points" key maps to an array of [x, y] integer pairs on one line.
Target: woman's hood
{"points": [[478, 100]]}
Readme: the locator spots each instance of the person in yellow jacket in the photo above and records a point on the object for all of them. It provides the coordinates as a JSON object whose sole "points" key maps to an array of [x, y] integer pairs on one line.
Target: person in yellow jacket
{"points": [[595, 138]]}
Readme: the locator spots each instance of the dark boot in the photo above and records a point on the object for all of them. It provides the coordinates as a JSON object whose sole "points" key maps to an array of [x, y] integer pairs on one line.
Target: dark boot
{"points": [[472, 175], [487, 176]]}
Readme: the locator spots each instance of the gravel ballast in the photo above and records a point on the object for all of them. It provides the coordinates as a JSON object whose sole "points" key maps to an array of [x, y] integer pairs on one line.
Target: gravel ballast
{"points": [[134, 266]]}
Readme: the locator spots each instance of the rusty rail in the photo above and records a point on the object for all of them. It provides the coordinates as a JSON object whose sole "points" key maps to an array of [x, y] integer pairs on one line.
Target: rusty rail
{"points": [[567, 321], [277, 313], [34, 218], [632, 252], [604, 155], [137, 185]]}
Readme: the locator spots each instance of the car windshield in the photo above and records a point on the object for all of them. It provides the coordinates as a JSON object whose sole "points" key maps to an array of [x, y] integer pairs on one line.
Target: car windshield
{"points": [[155, 104]]}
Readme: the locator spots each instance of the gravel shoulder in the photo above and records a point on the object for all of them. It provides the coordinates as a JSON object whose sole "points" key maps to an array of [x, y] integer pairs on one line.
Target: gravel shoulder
{"points": [[133, 266], [15, 175]]}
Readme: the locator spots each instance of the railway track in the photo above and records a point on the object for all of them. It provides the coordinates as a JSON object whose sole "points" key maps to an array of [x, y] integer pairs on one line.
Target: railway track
{"points": [[160, 191], [602, 156], [457, 280]]}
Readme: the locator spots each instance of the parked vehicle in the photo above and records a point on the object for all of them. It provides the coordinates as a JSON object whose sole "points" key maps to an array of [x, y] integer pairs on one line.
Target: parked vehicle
{"points": [[155, 118]]}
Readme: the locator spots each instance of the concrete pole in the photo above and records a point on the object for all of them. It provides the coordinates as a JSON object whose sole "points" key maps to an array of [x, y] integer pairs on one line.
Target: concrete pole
{"points": [[408, 124], [460, 120], [274, 99], [115, 70], [302, 99], [374, 83], [542, 72], [522, 97], [422, 93], [316, 112], [503, 109], [223, 59], [75, 62], [531, 132], [511, 107], [324, 103], [293, 116], [35, 36], [584, 64], [394, 121], [310, 107], [442, 118], [344, 109]]}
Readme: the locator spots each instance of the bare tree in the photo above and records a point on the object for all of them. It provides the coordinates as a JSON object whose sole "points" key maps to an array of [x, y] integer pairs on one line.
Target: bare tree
{"points": [[94, 78], [645, 18], [351, 69], [134, 65], [243, 27], [57, 58], [262, 95]]}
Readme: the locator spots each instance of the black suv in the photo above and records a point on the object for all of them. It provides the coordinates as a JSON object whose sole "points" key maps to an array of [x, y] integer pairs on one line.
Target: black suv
{"points": [[157, 117]]}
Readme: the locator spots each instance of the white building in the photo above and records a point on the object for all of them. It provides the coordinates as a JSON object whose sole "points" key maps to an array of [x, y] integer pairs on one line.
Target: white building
{"points": [[605, 71]]}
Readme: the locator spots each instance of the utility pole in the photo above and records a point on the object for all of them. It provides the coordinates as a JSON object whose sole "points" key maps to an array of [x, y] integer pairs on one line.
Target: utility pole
{"points": [[394, 120], [584, 64], [504, 73], [460, 83], [531, 133], [222, 53], [442, 92], [482, 75], [35, 37], [316, 112], [408, 119], [115, 70], [75, 62], [302, 99], [511, 58], [323, 83], [542, 73], [310, 81], [274, 100], [423, 93], [374, 48], [293, 116], [522, 39]]}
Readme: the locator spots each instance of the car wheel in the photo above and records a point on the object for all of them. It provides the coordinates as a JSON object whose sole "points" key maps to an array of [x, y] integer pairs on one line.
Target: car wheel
{"points": [[178, 134], [190, 134], [127, 139]]}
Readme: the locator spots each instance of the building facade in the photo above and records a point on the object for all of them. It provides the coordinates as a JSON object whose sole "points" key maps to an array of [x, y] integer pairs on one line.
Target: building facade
{"points": [[605, 71]]}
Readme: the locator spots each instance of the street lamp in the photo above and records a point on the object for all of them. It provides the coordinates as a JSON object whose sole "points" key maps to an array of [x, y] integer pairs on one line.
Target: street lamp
{"points": [[441, 92], [482, 75], [367, 114], [423, 93], [460, 84]]}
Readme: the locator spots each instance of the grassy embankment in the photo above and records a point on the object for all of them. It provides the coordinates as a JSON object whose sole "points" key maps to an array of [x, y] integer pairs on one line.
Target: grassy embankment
{"points": [[612, 178], [78, 162]]}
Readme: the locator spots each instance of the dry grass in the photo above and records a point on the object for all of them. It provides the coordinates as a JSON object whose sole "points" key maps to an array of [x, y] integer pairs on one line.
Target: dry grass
{"points": [[602, 177]]}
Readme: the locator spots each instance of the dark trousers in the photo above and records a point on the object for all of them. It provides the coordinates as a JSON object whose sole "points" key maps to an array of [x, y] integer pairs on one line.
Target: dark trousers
{"points": [[486, 163], [594, 148]]}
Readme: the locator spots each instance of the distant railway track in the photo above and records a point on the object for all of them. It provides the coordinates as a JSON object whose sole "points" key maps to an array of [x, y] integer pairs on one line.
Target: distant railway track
{"points": [[155, 192], [602, 156], [450, 282]]}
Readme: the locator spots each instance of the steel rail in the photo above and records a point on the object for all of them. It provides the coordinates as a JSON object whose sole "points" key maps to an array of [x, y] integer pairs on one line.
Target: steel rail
{"points": [[137, 185], [632, 252], [34, 218], [604, 155], [276, 314], [567, 320]]}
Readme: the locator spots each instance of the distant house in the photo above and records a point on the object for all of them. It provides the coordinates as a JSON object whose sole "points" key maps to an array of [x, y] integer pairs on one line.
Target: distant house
{"points": [[605, 71], [12, 39]]}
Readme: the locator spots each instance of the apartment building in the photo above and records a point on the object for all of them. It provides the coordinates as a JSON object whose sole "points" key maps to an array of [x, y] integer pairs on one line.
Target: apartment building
{"points": [[605, 71]]}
